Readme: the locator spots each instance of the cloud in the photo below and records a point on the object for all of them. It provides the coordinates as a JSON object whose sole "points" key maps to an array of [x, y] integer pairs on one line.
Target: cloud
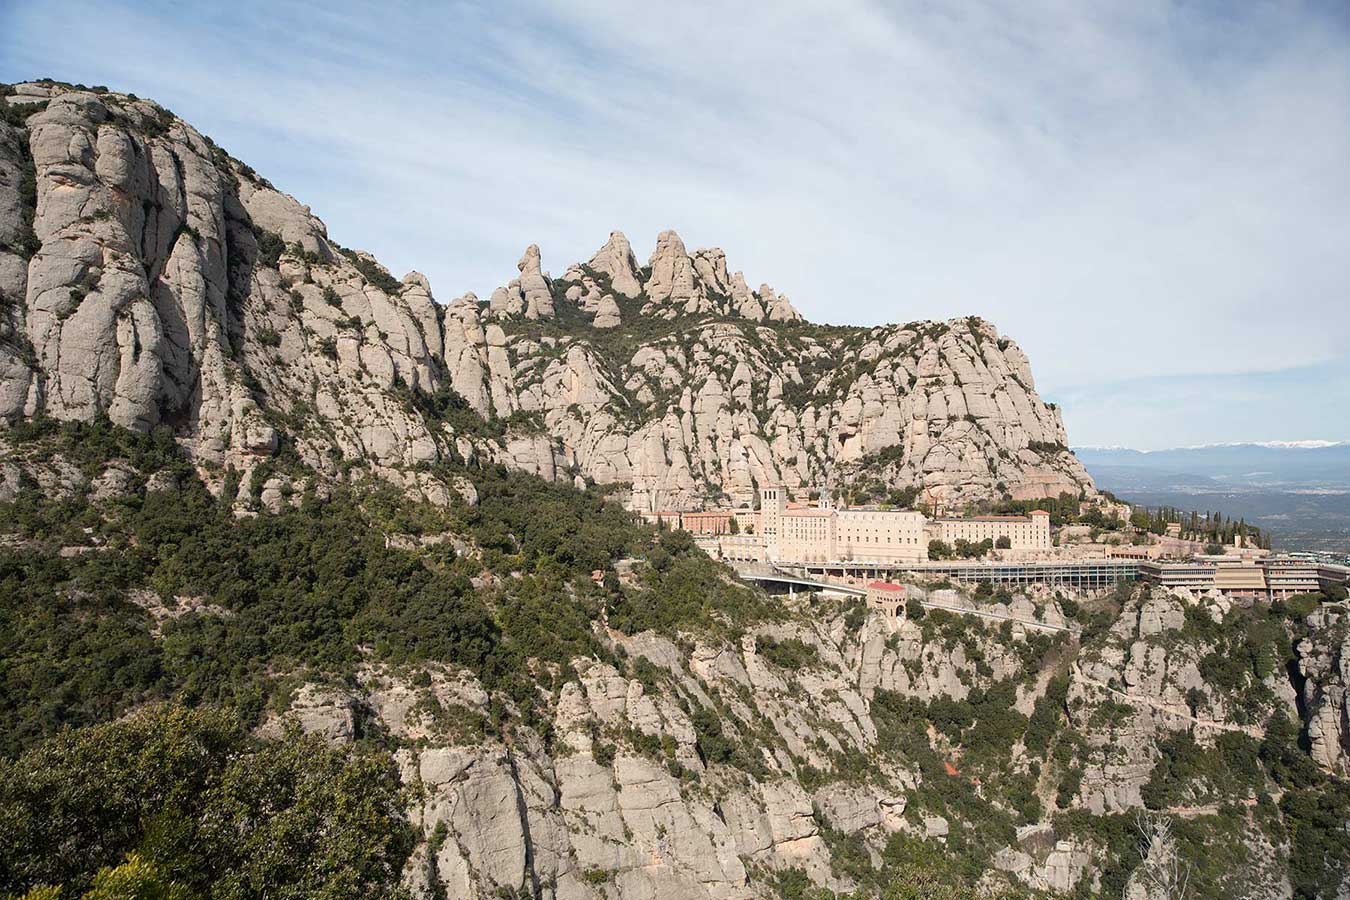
{"points": [[1299, 403], [1129, 190]]}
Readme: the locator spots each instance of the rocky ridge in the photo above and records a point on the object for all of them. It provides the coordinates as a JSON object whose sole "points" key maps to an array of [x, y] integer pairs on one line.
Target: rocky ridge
{"points": [[630, 801], [149, 277]]}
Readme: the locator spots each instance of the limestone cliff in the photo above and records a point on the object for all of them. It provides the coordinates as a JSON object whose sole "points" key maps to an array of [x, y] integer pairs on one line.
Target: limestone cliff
{"points": [[631, 800], [148, 276]]}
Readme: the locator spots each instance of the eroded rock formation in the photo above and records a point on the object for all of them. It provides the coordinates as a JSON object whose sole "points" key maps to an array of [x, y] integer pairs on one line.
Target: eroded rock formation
{"points": [[149, 277]]}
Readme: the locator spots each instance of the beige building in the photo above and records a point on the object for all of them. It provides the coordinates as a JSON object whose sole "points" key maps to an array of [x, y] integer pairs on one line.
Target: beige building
{"points": [[824, 534], [887, 598], [1287, 575], [1023, 532], [1196, 575], [880, 535], [821, 533], [1239, 576]]}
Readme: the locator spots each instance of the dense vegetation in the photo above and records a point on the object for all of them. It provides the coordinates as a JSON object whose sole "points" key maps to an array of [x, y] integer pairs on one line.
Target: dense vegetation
{"points": [[163, 601], [248, 605], [173, 802]]}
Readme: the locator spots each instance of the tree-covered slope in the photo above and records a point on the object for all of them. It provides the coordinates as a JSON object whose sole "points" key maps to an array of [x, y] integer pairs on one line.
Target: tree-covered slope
{"points": [[532, 692]]}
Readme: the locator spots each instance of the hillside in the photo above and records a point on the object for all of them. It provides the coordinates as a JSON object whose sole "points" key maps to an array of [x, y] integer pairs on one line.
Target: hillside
{"points": [[512, 725], [287, 609], [151, 278]]}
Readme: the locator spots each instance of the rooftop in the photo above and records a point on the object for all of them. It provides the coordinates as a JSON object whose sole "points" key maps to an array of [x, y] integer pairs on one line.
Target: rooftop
{"points": [[1034, 512]]}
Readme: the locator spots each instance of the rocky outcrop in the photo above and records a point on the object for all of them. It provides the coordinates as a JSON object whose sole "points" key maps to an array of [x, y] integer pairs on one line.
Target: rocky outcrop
{"points": [[166, 283], [1324, 665], [628, 799]]}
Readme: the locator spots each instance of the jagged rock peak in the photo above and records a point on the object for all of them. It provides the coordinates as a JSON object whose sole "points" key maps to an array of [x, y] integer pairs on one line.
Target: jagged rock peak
{"points": [[777, 306], [534, 286], [616, 260], [162, 280], [672, 281]]}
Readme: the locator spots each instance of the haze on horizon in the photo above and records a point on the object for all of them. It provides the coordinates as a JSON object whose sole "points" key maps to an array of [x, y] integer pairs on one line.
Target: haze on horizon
{"points": [[1152, 198]]}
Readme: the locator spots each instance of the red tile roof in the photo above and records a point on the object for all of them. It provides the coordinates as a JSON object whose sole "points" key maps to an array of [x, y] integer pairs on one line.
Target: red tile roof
{"points": [[885, 586]]}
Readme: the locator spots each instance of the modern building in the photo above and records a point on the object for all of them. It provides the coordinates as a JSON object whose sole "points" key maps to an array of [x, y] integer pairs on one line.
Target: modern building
{"points": [[1240, 576], [1288, 575], [1330, 575], [1196, 575], [1246, 574]]}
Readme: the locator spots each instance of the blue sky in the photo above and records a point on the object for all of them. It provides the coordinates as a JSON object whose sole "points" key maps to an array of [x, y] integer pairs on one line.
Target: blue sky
{"points": [[1152, 198]]}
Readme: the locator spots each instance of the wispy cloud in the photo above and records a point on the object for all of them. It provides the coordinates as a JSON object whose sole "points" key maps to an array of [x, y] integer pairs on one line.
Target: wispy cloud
{"points": [[1128, 189], [1298, 403]]}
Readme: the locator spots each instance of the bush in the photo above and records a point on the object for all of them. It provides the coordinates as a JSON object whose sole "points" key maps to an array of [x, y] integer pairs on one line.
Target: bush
{"points": [[270, 247], [172, 795], [788, 654], [374, 273]]}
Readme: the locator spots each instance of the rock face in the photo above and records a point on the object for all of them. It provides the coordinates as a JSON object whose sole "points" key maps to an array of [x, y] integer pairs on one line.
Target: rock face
{"points": [[1324, 663], [149, 277], [627, 800]]}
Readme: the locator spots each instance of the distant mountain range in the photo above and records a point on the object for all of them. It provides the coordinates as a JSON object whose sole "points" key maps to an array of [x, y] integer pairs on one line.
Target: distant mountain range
{"points": [[1292, 463], [1300, 490]]}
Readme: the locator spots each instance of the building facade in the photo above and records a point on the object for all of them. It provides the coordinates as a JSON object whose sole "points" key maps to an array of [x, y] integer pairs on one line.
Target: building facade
{"points": [[1030, 532], [713, 521], [887, 598], [814, 534]]}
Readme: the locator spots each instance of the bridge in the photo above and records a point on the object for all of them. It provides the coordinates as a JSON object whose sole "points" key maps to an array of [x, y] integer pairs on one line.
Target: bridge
{"points": [[762, 574], [769, 575]]}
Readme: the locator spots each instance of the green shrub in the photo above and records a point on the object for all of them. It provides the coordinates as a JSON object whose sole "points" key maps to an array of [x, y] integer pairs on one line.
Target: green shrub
{"points": [[270, 247], [189, 797], [788, 654]]}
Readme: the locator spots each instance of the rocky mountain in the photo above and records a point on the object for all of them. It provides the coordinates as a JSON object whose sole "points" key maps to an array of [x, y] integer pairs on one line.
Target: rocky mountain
{"points": [[148, 276], [235, 664], [660, 732]]}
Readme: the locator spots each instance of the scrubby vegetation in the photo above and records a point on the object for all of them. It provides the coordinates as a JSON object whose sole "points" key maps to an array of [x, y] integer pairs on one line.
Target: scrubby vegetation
{"points": [[181, 803], [313, 588], [167, 604]]}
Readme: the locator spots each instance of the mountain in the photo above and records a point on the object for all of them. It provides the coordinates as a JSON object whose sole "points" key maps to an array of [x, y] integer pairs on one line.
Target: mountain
{"points": [[1289, 464], [1297, 491], [287, 609], [151, 278]]}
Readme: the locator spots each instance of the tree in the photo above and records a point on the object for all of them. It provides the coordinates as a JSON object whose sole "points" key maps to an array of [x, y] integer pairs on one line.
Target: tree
{"points": [[135, 879], [938, 549], [1003, 543], [1163, 874], [169, 800]]}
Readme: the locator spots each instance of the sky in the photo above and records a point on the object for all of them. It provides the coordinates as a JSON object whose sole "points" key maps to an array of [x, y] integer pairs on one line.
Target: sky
{"points": [[1152, 198]]}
